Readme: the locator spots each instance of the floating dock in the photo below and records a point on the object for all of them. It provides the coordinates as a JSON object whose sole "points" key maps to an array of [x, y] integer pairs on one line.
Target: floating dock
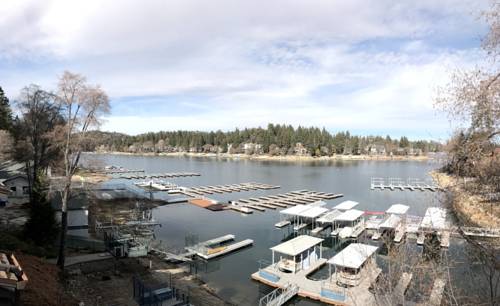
{"points": [[216, 247], [292, 198], [159, 175], [201, 190], [411, 184]]}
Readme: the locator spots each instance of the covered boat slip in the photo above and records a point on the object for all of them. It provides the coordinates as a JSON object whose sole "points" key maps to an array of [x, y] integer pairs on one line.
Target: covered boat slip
{"points": [[346, 205], [353, 263], [394, 223], [435, 221], [348, 224], [301, 216], [297, 254], [397, 209], [332, 290]]}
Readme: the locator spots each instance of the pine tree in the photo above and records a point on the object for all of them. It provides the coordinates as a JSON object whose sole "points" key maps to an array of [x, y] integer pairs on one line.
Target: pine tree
{"points": [[5, 112]]}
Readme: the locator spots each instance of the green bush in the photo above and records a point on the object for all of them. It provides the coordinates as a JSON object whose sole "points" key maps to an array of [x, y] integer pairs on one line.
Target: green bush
{"points": [[41, 228]]}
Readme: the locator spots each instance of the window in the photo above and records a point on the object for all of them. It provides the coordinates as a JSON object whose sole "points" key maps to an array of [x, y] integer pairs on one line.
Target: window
{"points": [[26, 190], [13, 188]]}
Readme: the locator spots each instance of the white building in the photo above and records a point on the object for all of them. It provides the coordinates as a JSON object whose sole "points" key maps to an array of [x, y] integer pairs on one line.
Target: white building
{"points": [[18, 186]]}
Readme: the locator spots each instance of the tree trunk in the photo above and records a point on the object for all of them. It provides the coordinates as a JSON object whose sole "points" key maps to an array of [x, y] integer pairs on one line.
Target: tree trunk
{"points": [[64, 227]]}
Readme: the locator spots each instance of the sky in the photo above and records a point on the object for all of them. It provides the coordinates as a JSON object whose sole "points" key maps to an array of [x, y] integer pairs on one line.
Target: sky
{"points": [[370, 67]]}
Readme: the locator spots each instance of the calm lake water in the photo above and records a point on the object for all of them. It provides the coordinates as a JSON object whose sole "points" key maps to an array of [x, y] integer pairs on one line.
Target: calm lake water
{"points": [[230, 275]]}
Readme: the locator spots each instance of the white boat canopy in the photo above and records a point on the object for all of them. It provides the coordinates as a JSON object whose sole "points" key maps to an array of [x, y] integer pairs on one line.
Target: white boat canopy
{"points": [[317, 203], [294, 210], [329, 217], [349, 215], [297, 245], [313, 212], [398, 209], [391, 222], [346, 205], [435, 218], [353, 256]]}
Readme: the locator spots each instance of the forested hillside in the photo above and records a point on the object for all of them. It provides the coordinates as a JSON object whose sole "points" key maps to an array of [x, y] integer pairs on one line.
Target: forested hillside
{"points": [[274, 140]]}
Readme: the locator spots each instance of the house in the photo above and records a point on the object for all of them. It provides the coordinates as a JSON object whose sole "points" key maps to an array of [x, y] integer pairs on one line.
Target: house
{"points": [[14, 181], [18, 185], [376, 149], [252, 148], [300, 150]]}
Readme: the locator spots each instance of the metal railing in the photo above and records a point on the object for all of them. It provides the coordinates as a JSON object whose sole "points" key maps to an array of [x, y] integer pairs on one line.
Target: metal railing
{"points": [[279, 296]]}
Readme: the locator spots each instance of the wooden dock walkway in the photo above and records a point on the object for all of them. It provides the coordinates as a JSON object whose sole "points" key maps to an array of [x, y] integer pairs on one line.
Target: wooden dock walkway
{"points": [[213, 248], [159, 175], [201, 190], [292, 198]]}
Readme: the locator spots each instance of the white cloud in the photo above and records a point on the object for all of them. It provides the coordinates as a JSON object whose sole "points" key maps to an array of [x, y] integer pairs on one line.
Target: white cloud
{"points": [[343, 64]]}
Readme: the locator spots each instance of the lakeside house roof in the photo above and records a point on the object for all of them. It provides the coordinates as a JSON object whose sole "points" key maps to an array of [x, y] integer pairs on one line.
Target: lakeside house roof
{"points": [[12, 166], [294, 210], [313, 212], [350, 215], [14, 177], [329, 217], [398, 209], [346, 205], [353, 256], [391, 222], [297, 245], [435, 218]]}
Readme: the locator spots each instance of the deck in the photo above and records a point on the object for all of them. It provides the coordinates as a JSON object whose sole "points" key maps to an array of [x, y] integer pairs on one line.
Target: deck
{"points": [[317, 289]]}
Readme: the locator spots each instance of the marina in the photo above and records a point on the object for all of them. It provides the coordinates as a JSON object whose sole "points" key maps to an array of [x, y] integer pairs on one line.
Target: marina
{"points": [[260, 223]]}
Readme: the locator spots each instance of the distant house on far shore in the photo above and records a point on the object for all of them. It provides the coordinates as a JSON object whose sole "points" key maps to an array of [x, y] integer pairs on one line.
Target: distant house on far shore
{"points": [[300, 150], [375, 149]]}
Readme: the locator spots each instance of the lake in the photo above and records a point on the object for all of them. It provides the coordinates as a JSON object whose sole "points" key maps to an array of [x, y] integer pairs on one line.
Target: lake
{"points": [[230, 275]]}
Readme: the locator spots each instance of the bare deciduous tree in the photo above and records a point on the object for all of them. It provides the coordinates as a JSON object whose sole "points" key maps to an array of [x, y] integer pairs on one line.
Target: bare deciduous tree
{"points": [[33, 133], [82, 108]]}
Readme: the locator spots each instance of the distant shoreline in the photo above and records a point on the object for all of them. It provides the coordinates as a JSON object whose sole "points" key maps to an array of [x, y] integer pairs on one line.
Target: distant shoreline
{"points": [[287, 158]]}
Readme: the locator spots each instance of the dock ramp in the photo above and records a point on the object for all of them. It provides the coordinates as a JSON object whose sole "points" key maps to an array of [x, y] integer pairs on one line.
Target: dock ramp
{"points": [[279, 296]]}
